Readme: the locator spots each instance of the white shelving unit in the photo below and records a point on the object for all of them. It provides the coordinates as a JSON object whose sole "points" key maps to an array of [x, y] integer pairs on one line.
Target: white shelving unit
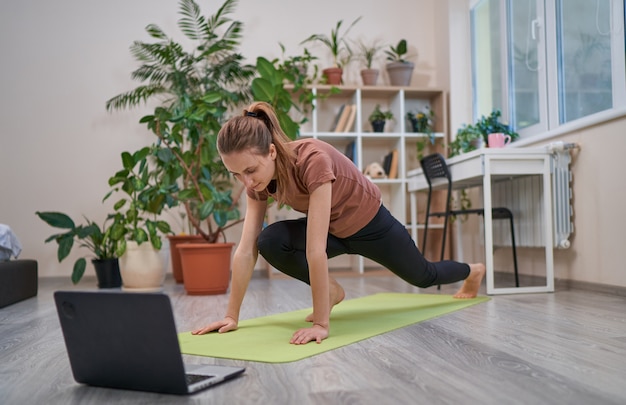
{"points": [[372, 147]]}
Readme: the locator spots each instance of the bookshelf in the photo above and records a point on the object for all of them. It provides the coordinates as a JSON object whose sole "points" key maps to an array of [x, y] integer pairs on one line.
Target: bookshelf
{"points": [[358, 139]]}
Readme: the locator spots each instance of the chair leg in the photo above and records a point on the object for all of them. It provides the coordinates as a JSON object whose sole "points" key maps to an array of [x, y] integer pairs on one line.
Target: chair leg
{"points": [[514, 251]]}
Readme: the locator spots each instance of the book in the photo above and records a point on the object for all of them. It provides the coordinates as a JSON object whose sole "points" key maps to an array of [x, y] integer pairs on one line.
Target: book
{"points": [[343, 118], [349, 127], [337, 118], [393, 169], [387, 163], [350, 151]]}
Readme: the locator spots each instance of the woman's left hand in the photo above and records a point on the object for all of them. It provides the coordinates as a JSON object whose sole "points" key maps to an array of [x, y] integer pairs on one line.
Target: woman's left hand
{"points": [[306, 335]]}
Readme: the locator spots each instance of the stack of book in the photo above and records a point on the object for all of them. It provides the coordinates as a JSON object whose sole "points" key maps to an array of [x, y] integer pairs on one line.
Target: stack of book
{"points": [[344, 120]]}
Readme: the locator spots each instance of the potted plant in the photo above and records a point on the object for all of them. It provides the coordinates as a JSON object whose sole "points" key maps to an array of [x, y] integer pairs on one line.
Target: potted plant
{"points": [[423, 121], [367, 53], [197, 89], [105, 243], [339, 48], [474, 136], [491, 124], [468, 138], [378, 118], [399, 69], [138, 209]]}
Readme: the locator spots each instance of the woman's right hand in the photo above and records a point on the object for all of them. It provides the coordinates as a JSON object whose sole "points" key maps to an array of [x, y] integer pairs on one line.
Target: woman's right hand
{"points": [[225, 325]]}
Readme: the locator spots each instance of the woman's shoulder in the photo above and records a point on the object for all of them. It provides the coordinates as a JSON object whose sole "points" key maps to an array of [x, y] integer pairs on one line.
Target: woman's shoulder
{"points": [[312, 146]]}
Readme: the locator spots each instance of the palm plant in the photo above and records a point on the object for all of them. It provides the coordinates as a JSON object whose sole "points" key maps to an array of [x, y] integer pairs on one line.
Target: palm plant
{"points": [[368, 53], [177, 76], [197, 90], [337, 43]]}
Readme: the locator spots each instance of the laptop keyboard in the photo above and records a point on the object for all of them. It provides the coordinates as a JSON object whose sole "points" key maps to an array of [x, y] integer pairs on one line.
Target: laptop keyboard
{"points": [[194, 378]]}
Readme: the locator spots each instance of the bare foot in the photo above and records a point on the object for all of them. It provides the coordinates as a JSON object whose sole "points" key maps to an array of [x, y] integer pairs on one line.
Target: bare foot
{"points": [[471, 285], [337, 294]]}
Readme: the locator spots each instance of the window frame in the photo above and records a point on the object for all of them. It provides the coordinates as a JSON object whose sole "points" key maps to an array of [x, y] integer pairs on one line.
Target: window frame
{"points": [[546, 30]]}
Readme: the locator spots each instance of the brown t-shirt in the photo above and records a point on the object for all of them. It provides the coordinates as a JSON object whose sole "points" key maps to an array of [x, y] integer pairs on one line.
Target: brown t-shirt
{"points": [[355, 199]]}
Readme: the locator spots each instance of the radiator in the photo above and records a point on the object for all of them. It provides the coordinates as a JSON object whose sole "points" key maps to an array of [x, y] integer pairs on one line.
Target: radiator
{"points": [[523, 197]]}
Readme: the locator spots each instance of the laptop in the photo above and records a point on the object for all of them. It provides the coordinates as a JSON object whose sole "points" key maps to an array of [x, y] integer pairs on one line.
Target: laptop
{"points": [[128, 340]]}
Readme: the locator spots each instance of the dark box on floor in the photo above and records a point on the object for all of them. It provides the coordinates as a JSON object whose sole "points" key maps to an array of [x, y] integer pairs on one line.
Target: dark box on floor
{"points": [[18, 281]]}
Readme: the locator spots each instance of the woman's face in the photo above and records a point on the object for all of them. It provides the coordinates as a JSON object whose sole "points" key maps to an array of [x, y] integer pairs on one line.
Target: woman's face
{"points": [[253, 170]]}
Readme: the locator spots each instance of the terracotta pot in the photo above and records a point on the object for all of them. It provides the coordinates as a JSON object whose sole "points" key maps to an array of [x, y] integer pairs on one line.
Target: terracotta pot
{"points": [[175, 240], [333, 75], [142, 268], [369, 76], [206, 267], [107, 272], [400, 73]]}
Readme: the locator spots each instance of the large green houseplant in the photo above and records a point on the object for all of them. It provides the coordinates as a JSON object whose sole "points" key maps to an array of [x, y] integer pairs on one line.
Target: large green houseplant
{"points": [[197, 91]]}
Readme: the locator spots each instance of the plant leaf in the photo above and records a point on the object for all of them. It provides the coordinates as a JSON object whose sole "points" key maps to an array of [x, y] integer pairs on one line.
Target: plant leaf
{"points": [[57, 219], [79, 270]]}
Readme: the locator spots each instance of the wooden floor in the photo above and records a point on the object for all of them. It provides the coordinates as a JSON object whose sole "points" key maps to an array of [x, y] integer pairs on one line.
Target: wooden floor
{"points": [[568, 347]]}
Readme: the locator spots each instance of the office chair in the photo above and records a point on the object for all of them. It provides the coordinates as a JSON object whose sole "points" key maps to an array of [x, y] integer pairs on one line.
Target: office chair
{"points": [[434, 166]]}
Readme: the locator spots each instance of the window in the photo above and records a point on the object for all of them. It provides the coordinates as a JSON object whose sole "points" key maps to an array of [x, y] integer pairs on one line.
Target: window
{"points": [[487, 72], [545, 63], [583, 58]]}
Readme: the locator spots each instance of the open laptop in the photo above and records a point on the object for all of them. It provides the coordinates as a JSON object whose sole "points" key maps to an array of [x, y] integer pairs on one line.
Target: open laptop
{"points": [[129, 341]]}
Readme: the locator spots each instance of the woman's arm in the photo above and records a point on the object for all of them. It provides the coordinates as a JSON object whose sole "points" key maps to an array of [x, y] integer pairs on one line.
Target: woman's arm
{"points": [[318, 222], [244, 260]]}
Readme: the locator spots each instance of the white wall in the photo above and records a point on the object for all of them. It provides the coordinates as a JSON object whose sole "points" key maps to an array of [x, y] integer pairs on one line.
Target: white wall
{"points": [[62, 60]]}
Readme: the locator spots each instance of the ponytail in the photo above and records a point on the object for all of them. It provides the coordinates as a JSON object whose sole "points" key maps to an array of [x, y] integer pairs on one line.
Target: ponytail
{"points": [[256, 129]]}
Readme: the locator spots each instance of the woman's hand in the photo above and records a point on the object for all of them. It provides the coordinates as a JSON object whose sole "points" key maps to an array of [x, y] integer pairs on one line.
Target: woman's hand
{"points": [[225, 325], [316, 332]]}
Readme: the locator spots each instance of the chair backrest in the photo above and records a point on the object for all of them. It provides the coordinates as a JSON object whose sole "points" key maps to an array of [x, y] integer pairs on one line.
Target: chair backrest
{"points": [[434, 166]]}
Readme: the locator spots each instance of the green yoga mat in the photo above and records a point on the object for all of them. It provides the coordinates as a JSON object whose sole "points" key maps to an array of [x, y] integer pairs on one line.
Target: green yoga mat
{"points": [[266, 339]]}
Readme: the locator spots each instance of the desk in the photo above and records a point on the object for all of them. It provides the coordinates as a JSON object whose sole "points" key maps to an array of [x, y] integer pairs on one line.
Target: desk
{"points": [[479, 168]]}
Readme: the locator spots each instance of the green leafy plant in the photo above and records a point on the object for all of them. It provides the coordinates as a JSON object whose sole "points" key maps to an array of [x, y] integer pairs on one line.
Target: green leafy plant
{"points": [[142, 202], [368, 53], [397, 53], [197, 90], [423, 121], [104, 242], [465, 140], [176, 76], [491, 124], [469, 137], [380, 115], [336, 42], [271, 86]]}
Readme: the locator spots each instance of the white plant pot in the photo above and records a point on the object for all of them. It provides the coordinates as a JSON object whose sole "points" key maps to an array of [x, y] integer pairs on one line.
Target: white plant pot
{"points": [[141, 268]]}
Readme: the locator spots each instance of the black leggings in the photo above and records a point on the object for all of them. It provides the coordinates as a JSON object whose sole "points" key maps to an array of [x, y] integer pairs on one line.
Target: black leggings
{"points": [[384, 240]]}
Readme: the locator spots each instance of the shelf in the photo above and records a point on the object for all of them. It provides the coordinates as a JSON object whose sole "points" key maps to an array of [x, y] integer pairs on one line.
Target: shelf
{"points": [[373, 147]]}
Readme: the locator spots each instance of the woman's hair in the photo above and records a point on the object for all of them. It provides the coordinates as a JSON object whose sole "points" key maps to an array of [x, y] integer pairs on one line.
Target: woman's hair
{"points": [[255, 130]]}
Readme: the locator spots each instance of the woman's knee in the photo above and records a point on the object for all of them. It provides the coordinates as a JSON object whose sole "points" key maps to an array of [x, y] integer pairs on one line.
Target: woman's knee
{"points": [[282, 235]]}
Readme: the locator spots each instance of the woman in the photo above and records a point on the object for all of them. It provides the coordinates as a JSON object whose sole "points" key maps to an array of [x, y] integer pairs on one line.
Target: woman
{"points": [[344, 214]]}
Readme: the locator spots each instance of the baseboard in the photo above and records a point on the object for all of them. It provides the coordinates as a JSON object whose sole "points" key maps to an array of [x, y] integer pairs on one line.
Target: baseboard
{"points": [[594, 287]]}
